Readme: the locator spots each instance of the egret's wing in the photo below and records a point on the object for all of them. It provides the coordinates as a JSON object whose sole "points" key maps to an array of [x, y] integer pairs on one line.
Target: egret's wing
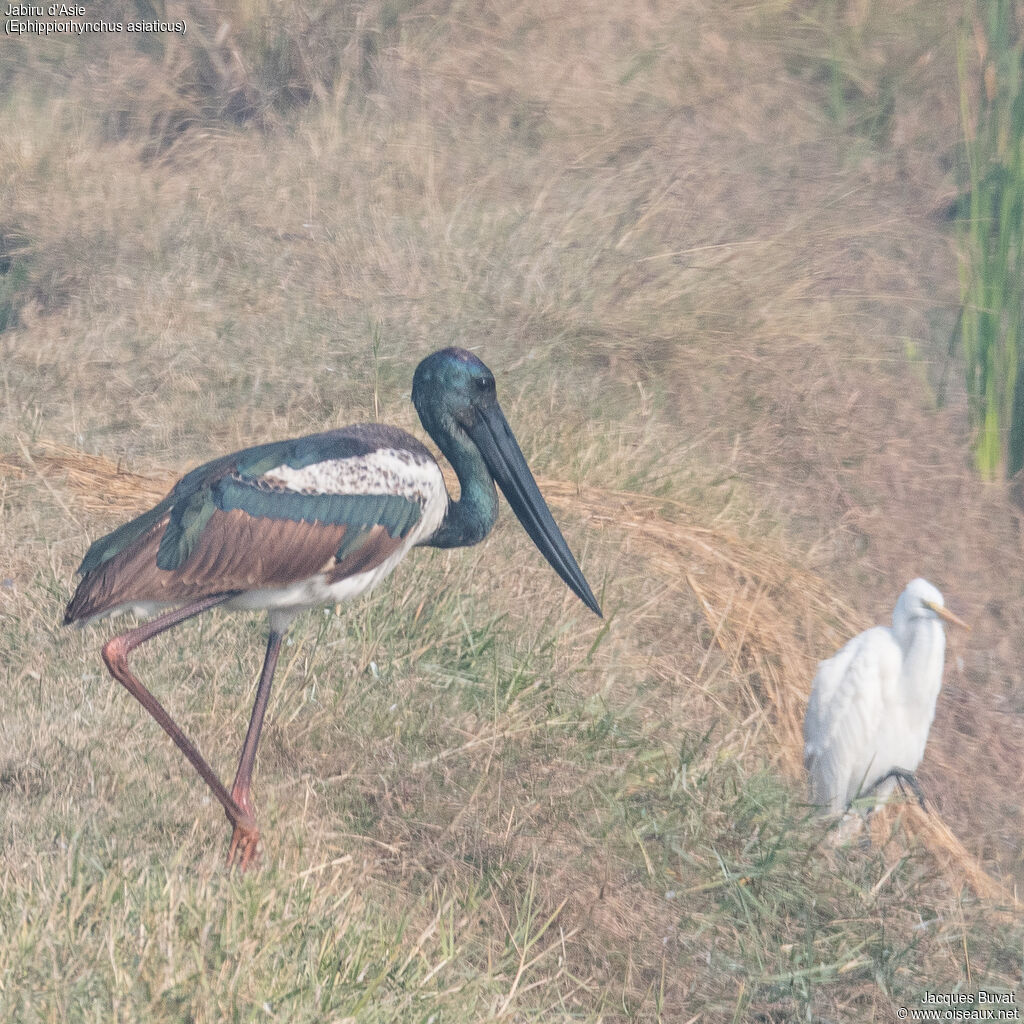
{"points": [[844, 715]]}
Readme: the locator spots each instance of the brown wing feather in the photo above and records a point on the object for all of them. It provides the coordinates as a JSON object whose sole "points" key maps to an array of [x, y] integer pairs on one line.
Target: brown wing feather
{"points": [[236, 551], [131, 575], [377, 546]]}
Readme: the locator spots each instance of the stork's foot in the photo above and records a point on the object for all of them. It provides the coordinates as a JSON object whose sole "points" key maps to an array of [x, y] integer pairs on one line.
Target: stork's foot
{"points": [[245, 847], [245, 840]]}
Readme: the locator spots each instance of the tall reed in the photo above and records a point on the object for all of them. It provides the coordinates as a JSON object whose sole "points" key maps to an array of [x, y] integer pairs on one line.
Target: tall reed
{"points": [[992, 234]]}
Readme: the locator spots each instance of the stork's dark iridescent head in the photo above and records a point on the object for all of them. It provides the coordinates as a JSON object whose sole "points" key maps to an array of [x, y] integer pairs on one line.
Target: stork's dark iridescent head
{"points": [[452, 383], [454, 394]]}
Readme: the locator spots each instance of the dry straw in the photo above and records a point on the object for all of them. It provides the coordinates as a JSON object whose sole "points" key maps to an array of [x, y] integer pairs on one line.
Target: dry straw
{"points": [[761, 608]]}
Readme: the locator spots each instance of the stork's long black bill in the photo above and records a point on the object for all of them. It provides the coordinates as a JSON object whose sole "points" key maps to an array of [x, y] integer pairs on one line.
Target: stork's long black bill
{"points": [[500, 450]]}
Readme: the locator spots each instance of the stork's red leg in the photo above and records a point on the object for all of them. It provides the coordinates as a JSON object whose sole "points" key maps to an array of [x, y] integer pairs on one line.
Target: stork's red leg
{"points": [[245, 837], [115, 654]]}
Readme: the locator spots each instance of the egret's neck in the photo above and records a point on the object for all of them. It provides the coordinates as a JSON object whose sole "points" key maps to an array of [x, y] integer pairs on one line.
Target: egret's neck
{"points": [[469, 519], [924, 645]]}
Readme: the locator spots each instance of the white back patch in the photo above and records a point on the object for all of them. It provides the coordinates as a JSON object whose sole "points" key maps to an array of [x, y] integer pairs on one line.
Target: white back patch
{"points": [[384, 471]]}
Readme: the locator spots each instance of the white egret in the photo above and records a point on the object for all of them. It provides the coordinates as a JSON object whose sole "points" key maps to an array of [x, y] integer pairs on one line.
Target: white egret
{"points": [[873, 702]]}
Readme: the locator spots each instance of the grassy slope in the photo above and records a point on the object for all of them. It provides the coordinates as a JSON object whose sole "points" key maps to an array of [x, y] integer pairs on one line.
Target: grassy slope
{"points": [[700, 247]]}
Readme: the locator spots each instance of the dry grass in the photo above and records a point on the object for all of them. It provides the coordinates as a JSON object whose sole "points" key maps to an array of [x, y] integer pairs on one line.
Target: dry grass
{"points": [[703, 248], [762, 609]]}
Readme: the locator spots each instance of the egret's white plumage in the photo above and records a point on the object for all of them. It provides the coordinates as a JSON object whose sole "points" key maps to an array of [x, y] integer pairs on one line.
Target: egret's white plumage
{"points": [[873, 702]]}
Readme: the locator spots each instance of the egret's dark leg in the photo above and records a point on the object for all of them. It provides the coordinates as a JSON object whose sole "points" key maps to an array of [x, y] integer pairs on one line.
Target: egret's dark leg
{"points": [[115, 654], [901, 775], [246, 836]]}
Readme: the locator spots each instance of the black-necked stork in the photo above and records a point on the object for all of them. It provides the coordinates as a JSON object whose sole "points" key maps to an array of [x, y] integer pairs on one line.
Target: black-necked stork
{"points": [[315, 520]]}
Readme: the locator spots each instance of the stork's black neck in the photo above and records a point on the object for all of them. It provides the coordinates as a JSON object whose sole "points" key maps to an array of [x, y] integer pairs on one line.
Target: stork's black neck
{"points": [[471, 518]]}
